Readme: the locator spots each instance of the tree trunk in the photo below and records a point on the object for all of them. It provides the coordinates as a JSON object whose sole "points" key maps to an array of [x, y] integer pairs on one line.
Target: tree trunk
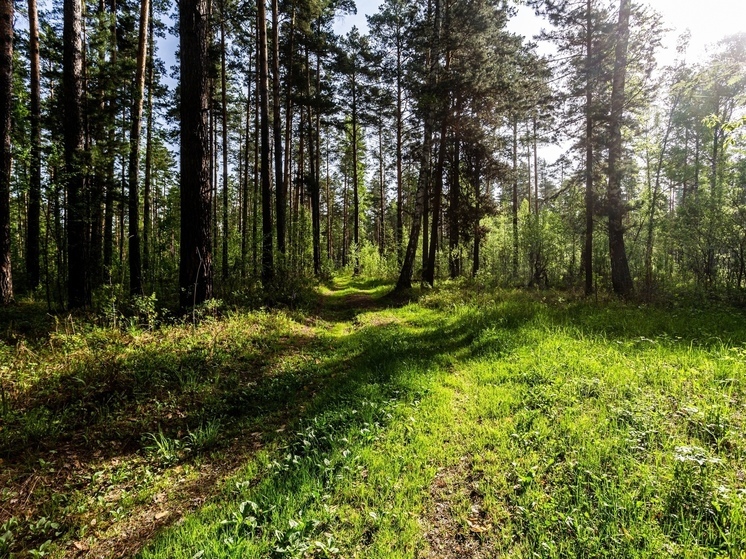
{"points": [[477, 226], [454, 258], [405, 276], [281, 192], [621, 278], [77, 261], [6, 90], [148, 184], [355, 185], [399, 151], [589, 210], [267, 245], [195, 273], [514, 204], [34, 205], [245, 191], [134, 159], [224, 109], [429, 271]]}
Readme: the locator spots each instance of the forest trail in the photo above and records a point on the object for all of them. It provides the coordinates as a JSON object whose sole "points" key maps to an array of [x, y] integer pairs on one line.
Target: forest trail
{"points": [[465, 424], [98, 470]]}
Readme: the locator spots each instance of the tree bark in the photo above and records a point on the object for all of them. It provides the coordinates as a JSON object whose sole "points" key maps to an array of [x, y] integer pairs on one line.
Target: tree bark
{"points": [[195, 272], [72, 80], [6, 89], [34, 204], [147, 186], [514, 198], [589, 198], [224, 110], [621, 278], [267, 245], [135, 261], [355, 185], [280, 188], [405, 276]]}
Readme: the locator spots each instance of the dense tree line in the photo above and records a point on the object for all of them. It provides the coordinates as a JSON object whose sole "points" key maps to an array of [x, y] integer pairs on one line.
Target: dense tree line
{"points": [[413, 151]]}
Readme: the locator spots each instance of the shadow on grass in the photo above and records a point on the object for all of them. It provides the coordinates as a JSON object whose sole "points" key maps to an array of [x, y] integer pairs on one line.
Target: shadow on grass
{"points": [[104, 406]]}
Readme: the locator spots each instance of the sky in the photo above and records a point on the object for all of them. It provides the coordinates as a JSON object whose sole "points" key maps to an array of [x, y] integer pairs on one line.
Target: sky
{"points": [[708, 20]]}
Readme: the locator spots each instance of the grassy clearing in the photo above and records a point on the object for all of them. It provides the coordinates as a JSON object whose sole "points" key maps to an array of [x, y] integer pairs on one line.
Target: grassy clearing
{"points": [[465, 424]]}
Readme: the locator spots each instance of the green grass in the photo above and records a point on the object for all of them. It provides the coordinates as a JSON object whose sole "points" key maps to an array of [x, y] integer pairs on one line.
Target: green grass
{"points": [[479, 424]]}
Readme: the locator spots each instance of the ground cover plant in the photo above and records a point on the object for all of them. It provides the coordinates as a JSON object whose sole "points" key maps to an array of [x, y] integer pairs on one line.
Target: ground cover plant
{"points": [[456, 422]]}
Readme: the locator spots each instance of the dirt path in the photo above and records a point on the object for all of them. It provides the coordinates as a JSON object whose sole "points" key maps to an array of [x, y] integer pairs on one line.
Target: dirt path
{"points": [[88, 493]]}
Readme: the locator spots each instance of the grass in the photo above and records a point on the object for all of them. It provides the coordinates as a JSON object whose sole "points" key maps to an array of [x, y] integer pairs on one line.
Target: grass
{"points": [[479, 424]]}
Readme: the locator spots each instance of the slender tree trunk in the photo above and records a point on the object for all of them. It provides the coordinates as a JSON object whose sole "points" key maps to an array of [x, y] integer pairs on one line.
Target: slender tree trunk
{"points": [[6, 89], [399, 152], [589, 198], [134, 158], [429, 272], [195, 273], [287, 174], [454, 258], [267, 245], [224, 110], [148, 184], [621, 278], [514, 205], [355, 184], [34, 206], [654, 201], [77, 261], [281, 192], [345, 221], [110, 184], [329, 207], [381, 190], [477, 226], [245, 195], [257, 180], [405, 276], [313, 185]]}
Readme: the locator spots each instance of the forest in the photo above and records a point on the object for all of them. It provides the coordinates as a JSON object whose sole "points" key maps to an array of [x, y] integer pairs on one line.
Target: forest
{"points": [[425, 289]]}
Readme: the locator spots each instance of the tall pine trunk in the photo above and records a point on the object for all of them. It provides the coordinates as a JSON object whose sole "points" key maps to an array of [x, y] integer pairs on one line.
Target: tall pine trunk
{"points": [[135, 261], [148, 184], [407, 269], [78, 290], [621, 279], [6, 88], [589, 198], [281, 192], [224, 110], [34, 203], [267, 245], [195, 271]]}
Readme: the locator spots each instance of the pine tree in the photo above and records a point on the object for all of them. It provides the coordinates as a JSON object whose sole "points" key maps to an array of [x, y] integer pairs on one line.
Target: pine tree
{"points": [[195, 272], [6, 86], [78, 273]]}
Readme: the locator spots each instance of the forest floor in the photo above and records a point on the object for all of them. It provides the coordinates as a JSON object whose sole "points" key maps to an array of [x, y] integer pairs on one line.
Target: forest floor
{"points": [[457, 422]]}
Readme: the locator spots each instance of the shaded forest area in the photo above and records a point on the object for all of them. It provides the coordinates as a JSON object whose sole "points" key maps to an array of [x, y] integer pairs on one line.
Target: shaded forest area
{"points": [[277, 151]]}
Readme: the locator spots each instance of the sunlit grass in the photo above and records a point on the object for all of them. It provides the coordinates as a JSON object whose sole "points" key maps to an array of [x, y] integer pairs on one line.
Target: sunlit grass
{"points": [[467, 423]]}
